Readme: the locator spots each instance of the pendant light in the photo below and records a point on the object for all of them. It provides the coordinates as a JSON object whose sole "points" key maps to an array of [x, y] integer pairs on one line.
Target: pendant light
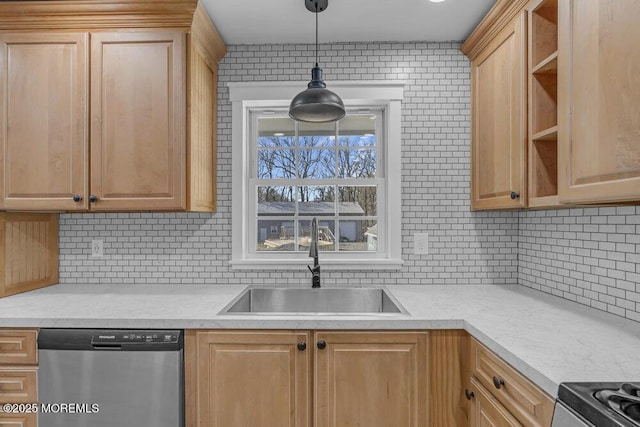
{"points": [[316, 104]]}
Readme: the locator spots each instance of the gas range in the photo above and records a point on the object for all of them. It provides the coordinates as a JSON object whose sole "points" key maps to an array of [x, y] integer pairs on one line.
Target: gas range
{"points": [[613, 404]]}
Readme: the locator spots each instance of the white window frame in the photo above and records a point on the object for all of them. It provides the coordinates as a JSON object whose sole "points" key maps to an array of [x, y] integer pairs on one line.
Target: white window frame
{"points": [[357, 95]]}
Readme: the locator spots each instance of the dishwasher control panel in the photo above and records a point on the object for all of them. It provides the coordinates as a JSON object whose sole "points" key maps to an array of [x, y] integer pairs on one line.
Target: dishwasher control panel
{"points": [[128, 337], [111, 339]]}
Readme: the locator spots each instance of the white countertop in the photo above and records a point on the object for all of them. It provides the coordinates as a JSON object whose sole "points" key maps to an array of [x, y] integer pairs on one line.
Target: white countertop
{"points": [[548, 339]]}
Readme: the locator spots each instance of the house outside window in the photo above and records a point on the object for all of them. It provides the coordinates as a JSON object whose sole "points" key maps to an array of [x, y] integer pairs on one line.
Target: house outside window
{"points": [[346, 174]]}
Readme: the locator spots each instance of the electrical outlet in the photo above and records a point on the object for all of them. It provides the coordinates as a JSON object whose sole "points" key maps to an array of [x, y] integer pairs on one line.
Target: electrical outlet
{"points": [[421, 243], [97, 250]]}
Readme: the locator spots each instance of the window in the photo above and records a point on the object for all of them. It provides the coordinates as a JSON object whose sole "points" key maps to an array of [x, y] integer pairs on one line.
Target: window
{"points": [[346, 174], [302, 170]]}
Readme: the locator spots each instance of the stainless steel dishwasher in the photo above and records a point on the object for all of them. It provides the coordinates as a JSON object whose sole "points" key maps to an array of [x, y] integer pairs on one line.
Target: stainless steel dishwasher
{"points": [[110, 378]]}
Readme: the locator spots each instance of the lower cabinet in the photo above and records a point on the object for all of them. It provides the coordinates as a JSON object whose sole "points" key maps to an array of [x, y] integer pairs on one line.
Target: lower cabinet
{"points": [[20, 420], [18, 375], [306, 378], [237, 378], [500, 396], [487, 411], [323, 379], [370, 379]]}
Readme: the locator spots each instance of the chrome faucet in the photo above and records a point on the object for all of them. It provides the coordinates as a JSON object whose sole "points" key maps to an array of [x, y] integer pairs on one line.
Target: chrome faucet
{"points": [[313, 253]]}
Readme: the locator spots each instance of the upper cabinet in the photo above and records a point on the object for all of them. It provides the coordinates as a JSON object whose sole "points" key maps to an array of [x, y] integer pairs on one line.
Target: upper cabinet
{"points": [[599, 128], [107, 119], [498, 116], [138, 120], [543, 103], [43, 120], [580, 135]]}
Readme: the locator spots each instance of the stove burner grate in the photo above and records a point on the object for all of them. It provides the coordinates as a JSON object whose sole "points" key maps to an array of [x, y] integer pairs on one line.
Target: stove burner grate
{"points": [[624, 401]]}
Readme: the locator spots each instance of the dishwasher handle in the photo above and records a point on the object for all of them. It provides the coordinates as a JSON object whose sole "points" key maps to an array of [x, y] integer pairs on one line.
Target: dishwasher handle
{"points": [[107, 346]]}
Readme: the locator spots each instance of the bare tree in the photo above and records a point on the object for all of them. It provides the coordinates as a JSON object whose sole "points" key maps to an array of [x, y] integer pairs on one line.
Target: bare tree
{"points": [[315, 157]]}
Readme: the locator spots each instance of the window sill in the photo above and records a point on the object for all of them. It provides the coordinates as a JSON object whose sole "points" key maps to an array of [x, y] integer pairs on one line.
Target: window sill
{"points": [[325, 264]]}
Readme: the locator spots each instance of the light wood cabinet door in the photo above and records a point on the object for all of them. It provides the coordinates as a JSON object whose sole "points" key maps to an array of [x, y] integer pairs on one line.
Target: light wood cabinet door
{"points": [[486, 411], [18, 385], [516, 393], [202, 116], [18, 420], [448, 376], [598, 90], [248, 379], [138, 124], [498, 135], [28, 261], [373, 379], [18, 382], [43, 121], [18, 347]]}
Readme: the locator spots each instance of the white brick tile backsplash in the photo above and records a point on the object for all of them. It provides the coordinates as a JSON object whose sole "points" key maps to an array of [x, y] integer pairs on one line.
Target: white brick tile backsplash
{"points": [[465, 247], [604, 275], [584, 255]]}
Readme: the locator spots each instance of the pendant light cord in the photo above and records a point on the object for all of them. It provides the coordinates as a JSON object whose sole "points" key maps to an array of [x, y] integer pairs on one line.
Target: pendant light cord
{"points": [[316, 3]]}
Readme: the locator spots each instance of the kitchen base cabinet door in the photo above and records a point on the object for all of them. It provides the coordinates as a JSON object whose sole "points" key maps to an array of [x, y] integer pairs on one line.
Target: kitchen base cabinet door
{"points": [[373, 379], [448, 375], [522, 398], [18, 376], [486, 411], [18, 347], [18, 420], [248, 379], [18, 385]]}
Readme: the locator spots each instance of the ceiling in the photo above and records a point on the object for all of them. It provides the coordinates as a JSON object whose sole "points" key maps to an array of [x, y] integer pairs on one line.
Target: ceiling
{"points": [[288, 21]]}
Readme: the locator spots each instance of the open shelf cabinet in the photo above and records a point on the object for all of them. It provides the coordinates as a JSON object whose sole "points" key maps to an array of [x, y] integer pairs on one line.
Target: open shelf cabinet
{"points": [[543, 104]]}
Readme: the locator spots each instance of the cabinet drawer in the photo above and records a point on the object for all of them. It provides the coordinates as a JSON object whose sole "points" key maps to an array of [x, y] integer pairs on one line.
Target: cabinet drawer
{"points": [[18, 385], [18, 346], [18, 420], [486, 411], [529, 404]]}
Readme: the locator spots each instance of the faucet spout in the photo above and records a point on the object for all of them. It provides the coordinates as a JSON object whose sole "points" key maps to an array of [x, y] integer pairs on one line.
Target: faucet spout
{"points": [[313, 253]]}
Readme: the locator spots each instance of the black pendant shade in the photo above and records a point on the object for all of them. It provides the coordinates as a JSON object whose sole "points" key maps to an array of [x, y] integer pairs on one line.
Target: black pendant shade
{"points": [[316, 104]]}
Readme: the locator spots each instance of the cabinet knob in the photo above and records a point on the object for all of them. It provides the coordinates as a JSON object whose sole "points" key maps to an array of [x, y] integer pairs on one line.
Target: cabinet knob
{"points": [[77, 198], [302, 346], [322, 345], [93, 198], [515, 195], [469, 394], [498, 382]]}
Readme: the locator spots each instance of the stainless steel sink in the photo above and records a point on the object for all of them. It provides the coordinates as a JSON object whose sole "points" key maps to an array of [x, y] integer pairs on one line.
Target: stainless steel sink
{"points": [[307, 301]]}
